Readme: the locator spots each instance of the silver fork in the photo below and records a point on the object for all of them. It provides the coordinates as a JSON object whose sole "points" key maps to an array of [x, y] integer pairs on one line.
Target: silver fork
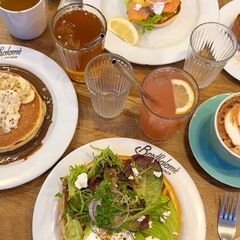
{"points": [[228, 215]]}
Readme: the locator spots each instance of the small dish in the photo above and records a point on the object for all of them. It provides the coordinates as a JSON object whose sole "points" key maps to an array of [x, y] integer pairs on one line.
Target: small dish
{"points": [[201, 146]]}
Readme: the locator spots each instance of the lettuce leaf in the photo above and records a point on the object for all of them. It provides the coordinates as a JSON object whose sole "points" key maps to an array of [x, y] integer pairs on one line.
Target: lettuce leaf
{"points": [[106, 156], [148, 187], [167, 230], [72, 229], [72, 177]]}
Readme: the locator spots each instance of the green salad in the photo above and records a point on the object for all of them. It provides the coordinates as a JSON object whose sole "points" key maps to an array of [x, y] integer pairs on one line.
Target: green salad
{"points": [[116, 197]]}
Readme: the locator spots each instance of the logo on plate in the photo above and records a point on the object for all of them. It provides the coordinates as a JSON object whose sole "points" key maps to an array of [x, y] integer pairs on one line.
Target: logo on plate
{"points": [[10, 52], [165, 161]]}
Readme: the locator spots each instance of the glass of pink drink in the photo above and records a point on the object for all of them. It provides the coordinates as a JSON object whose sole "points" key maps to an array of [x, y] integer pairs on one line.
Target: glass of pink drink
{"points": [[175, 95]]}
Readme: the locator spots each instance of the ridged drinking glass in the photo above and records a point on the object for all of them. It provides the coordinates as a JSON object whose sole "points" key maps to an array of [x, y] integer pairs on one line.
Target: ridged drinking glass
{"points": [[108, 86], [211, 46]]}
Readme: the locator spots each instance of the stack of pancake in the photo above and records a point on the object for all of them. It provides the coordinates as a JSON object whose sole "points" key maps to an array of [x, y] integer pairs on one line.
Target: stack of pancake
{"points": [[22, 111]]}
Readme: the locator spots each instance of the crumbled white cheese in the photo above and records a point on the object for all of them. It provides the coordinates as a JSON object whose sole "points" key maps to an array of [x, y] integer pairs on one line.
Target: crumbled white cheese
{"points": [[157, 174], [167, 213], [150, 224], [135, 171], [82, 181], [91, 236], [124, 235], [131, 177], [162, 219], [137, 7], [151, 238], [141, 218], [158, 7]]}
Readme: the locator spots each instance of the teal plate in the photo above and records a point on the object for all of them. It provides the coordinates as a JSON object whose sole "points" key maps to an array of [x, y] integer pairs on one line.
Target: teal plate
{"points": [[201, 146]]}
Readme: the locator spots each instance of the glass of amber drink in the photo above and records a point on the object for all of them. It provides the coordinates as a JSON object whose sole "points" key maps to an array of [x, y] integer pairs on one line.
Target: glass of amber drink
{"points": [[79, 32], [174, 95]]}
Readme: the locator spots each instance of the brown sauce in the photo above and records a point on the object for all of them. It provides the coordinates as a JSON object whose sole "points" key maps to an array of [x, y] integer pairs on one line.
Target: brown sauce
{"points": [[34, 144]]}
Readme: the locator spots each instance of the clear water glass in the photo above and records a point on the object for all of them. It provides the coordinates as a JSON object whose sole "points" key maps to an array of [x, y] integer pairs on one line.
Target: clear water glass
{"points": [[211, 46], [108, 86]]}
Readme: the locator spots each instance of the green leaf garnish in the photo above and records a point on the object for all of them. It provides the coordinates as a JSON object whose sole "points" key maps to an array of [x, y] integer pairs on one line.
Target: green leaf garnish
{"points": [[75, 171], [106, 156], [59, 195], [148, 24], [109, 206], [72, 229]]}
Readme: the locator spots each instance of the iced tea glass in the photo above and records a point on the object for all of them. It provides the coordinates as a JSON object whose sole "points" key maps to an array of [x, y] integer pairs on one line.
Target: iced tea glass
{"points": [[211, 46], [79, 32], [175, 94], [107, 85]]}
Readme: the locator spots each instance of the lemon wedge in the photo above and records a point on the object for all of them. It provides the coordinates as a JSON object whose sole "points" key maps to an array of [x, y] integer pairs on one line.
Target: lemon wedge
{"points": [[124, 29], [183, 95]]}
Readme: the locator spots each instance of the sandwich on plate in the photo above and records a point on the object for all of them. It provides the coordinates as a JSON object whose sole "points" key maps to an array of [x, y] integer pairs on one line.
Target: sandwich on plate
{"points": [[152, 13]]}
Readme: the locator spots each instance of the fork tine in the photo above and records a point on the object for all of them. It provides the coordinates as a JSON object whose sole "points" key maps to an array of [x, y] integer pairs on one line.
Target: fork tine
{"points": [[235, 217], [222, 206], [233, 207], [228, 202]]}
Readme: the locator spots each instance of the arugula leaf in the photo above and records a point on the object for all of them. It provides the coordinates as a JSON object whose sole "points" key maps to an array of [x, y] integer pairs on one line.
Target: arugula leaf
{"points": [[77, 205], [59, 195], [148, 24], [106, 156]]}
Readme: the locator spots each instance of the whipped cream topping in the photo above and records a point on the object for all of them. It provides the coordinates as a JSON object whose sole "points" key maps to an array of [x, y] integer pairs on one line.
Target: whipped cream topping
{"points": [[232, 124], [10, 103]]}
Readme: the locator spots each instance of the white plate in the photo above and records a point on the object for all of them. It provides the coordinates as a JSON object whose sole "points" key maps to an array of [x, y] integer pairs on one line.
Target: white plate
{"points": [[64, 120], [163, 45], [227, 15], [45, 215]]}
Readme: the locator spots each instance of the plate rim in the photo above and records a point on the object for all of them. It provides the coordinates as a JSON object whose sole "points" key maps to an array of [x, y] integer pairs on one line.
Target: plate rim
{"points": [[23, 60], [194, 150], [126, 142]]}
